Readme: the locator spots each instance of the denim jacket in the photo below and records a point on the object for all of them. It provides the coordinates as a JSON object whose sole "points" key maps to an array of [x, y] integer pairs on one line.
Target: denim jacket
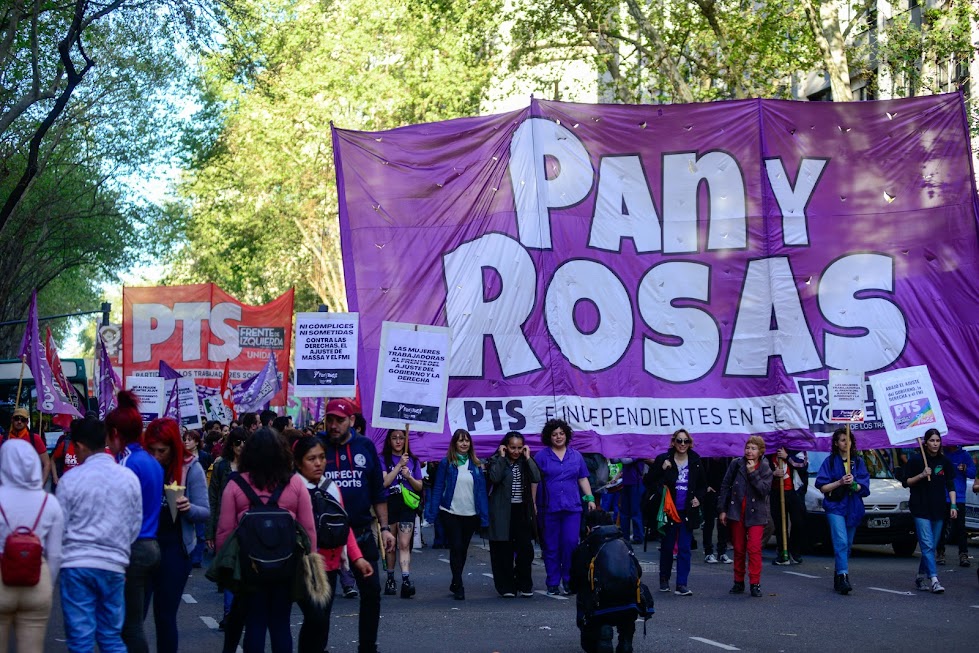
{"points": [[850, 504], [444, 488]]}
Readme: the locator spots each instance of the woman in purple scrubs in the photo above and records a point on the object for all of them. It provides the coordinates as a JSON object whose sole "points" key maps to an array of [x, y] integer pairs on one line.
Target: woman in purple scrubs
{"points": [[563, 487]]}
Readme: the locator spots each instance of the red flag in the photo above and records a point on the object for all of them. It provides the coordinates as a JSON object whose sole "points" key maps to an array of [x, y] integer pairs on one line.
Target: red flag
{"points": [[226, 389], [54, 362]]}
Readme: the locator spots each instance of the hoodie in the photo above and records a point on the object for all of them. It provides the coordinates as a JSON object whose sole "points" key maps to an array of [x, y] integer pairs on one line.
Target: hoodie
{"points": [[21, 497]]}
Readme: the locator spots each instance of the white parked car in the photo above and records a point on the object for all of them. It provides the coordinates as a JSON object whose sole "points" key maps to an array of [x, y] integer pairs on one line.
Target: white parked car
{"points": [[971, 498], [888, 519]]}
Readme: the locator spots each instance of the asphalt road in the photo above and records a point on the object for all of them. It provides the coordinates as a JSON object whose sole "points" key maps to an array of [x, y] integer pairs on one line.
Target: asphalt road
{"points": [[798, 612]]}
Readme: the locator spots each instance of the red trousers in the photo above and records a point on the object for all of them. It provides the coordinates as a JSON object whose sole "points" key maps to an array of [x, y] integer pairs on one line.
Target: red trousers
{"points": [[746, 538]]}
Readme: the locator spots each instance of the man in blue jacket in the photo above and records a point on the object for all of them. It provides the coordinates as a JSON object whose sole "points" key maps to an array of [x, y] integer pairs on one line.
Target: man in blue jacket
{"points": [[353, 464]]}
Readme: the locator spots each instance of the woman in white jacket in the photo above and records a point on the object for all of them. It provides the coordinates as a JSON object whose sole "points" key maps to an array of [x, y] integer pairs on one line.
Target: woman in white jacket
{"points": [[24, 502]]}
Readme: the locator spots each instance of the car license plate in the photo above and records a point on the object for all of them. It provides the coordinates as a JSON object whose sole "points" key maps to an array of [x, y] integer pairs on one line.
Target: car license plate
{"points": [[879, 522]]}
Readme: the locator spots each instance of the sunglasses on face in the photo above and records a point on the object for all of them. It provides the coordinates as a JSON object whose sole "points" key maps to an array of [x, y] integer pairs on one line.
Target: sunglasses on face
{"points": [[238, 443], [682, 441], [18, 419]]}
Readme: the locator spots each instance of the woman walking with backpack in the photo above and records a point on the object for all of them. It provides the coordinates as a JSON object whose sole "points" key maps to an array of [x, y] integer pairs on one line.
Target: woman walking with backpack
{"points": [[177, 533], [327, 502], [24, 504], [403, 480], [266, 477]]}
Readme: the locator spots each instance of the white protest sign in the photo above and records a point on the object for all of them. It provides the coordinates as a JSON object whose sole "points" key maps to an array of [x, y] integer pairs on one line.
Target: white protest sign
{"points": [[326, 354], [847, 396], [149, 391], [907, 403], [188, 407], [412, 377]]}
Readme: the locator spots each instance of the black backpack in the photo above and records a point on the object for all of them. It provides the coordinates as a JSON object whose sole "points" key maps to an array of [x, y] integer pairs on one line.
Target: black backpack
{"points": [[266, 537], [613, 577], [332, 521]]}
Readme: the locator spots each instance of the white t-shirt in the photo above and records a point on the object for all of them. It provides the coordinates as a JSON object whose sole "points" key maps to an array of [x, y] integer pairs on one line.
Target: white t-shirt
{"points": [[463, 498]]}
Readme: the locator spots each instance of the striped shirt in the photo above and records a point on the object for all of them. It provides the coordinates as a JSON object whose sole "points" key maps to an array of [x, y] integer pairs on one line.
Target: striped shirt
{"points": [[516, 494]]}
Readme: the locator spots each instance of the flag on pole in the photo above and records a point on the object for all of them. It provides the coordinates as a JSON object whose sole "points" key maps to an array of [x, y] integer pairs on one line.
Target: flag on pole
{"points": [[109, 382], [173, 405], [168, 372], [226, 390], [252, 393], [54, 362], [50, 398]]}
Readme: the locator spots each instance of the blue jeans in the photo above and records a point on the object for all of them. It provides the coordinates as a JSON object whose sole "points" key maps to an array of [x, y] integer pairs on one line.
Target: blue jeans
{"points": [[679, 535], [929, 530], [268, 609], [631, 511], [842, 536], [93, 605]]}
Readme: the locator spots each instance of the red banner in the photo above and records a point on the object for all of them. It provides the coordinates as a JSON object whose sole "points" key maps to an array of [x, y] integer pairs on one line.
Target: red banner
{"points": [[195, 329]]}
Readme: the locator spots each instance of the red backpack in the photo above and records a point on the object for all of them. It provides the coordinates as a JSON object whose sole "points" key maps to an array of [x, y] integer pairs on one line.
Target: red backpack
{"points": [[20, 564]]}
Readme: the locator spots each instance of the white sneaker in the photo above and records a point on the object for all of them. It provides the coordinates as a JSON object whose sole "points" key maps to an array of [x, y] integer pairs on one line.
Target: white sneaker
{"points": [[936, 587], [710, 559], [726, 560]]}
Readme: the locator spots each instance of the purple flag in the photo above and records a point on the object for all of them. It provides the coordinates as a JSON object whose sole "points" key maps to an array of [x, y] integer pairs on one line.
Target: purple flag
{"points": [[252, 393], [50, 398], [109, 381], [634, 270], [168, 372]]}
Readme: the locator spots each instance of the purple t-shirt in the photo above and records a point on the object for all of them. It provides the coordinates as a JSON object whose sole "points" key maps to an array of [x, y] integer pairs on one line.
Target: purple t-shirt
{"points": [[682, 484], [559, 480], [413, 466]]}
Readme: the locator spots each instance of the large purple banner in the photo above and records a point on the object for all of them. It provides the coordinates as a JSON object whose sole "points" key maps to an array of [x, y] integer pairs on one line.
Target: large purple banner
{"points": [[638, 269]]}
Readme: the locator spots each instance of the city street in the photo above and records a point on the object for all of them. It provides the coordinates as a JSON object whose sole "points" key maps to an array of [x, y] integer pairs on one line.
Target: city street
{"points": [[799, 611]]}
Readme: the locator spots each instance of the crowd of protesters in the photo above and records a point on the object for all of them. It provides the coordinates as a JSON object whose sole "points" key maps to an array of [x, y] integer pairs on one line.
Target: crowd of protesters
{"points": [[136, 507]]}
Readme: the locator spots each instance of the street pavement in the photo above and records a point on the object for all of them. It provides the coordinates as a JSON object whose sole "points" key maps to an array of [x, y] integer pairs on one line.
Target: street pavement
{"points": [[798, 612]]}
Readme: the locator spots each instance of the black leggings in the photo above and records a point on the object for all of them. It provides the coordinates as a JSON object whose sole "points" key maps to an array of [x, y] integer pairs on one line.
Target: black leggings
{"points": [[459, 532]]}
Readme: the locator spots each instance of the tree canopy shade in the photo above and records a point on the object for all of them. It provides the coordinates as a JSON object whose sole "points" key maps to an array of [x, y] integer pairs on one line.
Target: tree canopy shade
{"points": [[86, 110], [258, 202]]}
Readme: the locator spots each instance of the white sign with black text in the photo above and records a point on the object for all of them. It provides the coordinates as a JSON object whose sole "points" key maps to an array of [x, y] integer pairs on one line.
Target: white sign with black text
{"points": [[149, 391], [412, 377], [326, 354]]}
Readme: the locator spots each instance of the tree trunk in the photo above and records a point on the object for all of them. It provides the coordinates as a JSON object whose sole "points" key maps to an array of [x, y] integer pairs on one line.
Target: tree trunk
{"points": [[824, 20]]}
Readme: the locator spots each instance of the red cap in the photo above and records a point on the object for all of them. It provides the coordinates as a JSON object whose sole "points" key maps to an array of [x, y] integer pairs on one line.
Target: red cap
{"points": [[340, 407]]}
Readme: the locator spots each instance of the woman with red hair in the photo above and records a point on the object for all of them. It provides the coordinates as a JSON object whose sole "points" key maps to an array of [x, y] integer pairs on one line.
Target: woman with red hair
{"points": [[177, 532]]}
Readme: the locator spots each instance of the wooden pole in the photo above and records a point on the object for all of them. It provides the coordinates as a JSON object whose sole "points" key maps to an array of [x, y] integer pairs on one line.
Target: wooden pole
{"points": [[924, 457], [781, 493], [846, 461], [20, 383]]}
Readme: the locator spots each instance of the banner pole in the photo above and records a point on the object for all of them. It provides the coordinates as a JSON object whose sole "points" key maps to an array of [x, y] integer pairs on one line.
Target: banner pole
{"points": [[781, 492], [846, 461], [20, 383], [924, 458]]}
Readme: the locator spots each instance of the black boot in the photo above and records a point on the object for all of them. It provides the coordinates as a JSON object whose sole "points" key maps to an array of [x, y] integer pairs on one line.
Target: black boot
{"points": [[756, 590], [836, 582], [738, 587], [845, 587]]}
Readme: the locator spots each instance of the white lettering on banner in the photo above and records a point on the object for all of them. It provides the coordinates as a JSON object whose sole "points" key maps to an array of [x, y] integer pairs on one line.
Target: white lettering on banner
{"points": [[613, 415], [154, 324], [471, 316], [492, 280]]}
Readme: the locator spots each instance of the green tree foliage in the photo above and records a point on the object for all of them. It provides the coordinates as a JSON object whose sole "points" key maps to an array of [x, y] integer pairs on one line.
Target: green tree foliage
{"points": [[258, 209], [81, 215], [672, 51]]}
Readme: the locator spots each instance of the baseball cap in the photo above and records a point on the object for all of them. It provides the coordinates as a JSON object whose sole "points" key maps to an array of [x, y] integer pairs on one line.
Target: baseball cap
{"points": [[21, 412], [340, 407]]}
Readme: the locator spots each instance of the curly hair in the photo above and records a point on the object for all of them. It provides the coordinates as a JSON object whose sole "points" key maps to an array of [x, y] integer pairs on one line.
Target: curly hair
{"points": [[553, 425]]}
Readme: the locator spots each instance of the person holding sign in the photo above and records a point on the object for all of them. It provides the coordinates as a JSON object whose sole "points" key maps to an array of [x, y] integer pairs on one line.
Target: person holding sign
{"points": [[930, 477], [564, 486], [460, 501], [844, 481], [742, 506], [403, 480]]}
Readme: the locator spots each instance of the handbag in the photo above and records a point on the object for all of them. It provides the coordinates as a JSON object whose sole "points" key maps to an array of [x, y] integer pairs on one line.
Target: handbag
{"points": [[410, 497]]}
